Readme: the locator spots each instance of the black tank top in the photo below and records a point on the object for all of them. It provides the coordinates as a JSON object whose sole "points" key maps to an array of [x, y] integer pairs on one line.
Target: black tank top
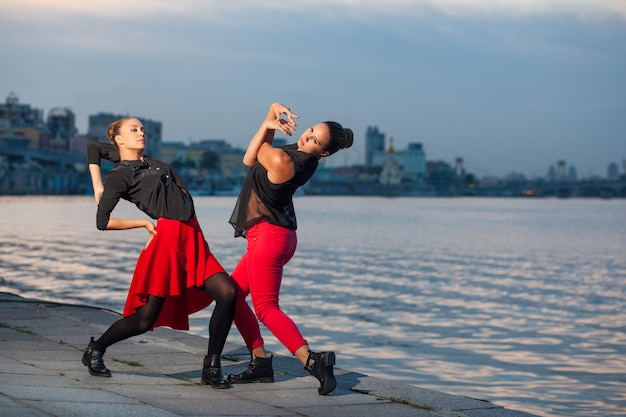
{"points": [[259, 198]]}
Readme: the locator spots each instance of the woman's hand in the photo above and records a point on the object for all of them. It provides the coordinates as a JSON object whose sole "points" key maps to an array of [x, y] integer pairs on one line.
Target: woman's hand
{"points": [[287, 126], [265, 135], [97, 193], [152, 232]]}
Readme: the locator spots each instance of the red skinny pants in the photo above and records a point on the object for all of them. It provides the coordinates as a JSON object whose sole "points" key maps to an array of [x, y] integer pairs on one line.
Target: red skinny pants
{"points": [[259, 273]]}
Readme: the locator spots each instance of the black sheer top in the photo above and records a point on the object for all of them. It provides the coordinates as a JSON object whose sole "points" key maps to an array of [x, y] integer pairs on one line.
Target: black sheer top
{"points": [[259, 198]]}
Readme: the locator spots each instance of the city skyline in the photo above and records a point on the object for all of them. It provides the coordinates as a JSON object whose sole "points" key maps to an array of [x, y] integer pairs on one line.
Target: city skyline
{"points": [[98, 131], [508, 86]]}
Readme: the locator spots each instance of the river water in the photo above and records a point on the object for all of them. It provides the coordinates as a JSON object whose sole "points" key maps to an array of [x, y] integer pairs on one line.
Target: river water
{"points": [[521, 302]]}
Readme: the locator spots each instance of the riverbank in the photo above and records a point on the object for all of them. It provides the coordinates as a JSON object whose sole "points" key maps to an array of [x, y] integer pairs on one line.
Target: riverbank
{"points": [[158, 374]]}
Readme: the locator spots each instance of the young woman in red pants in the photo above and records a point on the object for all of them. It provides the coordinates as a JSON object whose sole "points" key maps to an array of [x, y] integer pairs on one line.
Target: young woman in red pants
{"points": [[265, 216]]}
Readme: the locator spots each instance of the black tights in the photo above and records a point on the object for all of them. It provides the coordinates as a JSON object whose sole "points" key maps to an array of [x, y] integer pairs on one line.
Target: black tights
{"points": [[218, 286]]}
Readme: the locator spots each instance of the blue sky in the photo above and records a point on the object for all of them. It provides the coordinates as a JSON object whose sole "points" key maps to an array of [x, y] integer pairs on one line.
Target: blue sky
{"points": [[507, 85]]}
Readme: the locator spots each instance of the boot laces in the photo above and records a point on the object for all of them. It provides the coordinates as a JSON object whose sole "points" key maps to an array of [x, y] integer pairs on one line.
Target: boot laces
{"points": [[310, 362]]}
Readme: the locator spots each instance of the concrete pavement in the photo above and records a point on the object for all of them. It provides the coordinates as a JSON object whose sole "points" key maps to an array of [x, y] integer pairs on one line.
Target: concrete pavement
{"points": [[158, 374]]}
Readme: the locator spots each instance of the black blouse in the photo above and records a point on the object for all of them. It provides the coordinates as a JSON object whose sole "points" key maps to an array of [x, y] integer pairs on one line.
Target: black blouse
{"points": [[152, 185]]}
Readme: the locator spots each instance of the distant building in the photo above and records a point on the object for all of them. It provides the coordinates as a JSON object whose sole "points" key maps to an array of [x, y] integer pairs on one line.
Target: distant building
{"points": [[25, 138], [62, 128], [231, 165], [173, 151], [16, 115], [442, 176], [195, 152], [374, 142], [21, 122], [411, 162], [612, 171], [36, 156], [230, 160], [561, 172], [99, 123], [391, 170], [79, 144]]}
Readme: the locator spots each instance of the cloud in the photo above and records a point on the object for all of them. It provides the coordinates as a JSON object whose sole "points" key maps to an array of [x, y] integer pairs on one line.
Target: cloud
{"points": [[218, 9], [105, 25], [448, 73]]}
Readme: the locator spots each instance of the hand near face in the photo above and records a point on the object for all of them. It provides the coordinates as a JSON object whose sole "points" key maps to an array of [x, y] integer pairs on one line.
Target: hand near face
{"points": [[287, 126]]}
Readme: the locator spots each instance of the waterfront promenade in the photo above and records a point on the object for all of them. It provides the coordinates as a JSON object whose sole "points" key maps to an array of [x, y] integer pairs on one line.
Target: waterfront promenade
{"points": [[158, 375]]}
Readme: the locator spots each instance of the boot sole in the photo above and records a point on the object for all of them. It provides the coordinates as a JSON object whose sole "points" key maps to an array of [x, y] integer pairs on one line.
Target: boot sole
{"points": [[263, 380], [329, 382], [217, 386]]}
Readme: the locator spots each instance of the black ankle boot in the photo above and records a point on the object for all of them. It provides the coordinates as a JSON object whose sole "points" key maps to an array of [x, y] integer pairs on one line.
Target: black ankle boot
{"points": [[258, 370], [92, 359], [320, 365], [212, 372]]}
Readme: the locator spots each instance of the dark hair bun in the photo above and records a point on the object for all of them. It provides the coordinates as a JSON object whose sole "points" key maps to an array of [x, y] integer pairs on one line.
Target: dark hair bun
{"points": [[340, 137], [348, 139]]}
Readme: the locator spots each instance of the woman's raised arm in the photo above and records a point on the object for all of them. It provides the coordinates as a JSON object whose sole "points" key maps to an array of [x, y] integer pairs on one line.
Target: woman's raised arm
{"points": [[265, 135]]}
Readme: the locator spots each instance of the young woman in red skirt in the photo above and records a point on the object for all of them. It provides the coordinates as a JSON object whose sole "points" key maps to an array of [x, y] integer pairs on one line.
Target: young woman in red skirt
{"points": [[265, 216], [176, 273]]}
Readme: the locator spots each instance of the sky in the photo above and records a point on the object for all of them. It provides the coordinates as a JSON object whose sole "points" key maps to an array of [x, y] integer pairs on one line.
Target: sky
{"points": [[509, 86]]}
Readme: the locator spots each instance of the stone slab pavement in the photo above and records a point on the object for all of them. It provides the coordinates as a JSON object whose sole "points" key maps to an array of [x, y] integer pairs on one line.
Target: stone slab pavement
{"points": [[157, 374]]}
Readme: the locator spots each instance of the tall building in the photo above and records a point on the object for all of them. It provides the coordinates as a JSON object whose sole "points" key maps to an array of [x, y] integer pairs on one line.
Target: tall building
{"points": [[22, 121], [99, 123], [374, 142], [415, 160], [38, 153], [612, 172], [15, 115], [62, 127]]}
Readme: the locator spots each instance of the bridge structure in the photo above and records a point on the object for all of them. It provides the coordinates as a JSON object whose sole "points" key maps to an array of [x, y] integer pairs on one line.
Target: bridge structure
{"points": [[61, 159], [584, 188], [29, 171]]}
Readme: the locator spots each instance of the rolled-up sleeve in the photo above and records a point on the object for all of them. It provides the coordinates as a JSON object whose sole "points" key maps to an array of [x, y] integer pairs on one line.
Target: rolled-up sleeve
{"points": [[97, 151]]}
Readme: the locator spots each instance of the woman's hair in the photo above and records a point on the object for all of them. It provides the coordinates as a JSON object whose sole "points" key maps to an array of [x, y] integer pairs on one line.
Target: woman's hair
{"points": [[340, 137], [115, 129]]}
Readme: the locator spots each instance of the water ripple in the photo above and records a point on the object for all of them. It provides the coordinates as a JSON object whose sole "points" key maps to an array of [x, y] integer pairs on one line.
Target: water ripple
{"points": [[520, 302]]}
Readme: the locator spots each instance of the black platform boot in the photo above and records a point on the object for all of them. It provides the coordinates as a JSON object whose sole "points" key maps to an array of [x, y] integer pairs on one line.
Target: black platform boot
{"points": [[212, 372], [92, 359], [258, 370], [320, 365]]}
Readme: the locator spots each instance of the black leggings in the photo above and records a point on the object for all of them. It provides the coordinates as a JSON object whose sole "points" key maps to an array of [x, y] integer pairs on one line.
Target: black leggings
{"points": [[218, 286]]}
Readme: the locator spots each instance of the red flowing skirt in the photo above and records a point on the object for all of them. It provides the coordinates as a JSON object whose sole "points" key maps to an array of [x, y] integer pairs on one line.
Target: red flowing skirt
{"points": [[174, 265]]}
